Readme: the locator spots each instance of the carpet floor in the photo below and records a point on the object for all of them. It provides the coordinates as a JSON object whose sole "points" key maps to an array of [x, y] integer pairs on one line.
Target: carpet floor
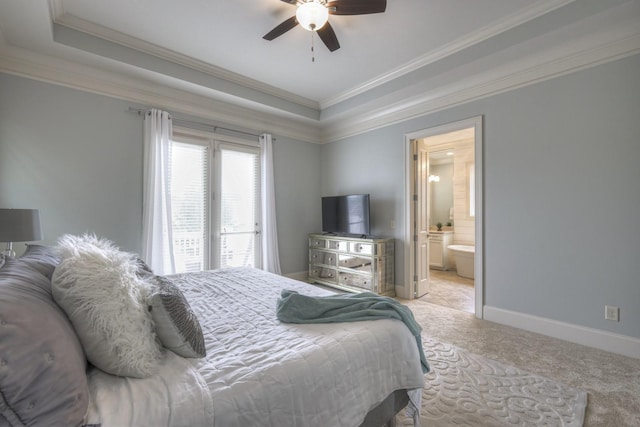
{"points": [[611, 381]]}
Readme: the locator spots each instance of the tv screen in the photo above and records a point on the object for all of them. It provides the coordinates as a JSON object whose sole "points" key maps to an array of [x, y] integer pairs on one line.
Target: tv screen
{"points": [[346, 214]]}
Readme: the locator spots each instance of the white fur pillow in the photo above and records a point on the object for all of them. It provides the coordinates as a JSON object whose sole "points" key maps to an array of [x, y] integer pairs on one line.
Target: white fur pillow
{"points": [[97, 286]]}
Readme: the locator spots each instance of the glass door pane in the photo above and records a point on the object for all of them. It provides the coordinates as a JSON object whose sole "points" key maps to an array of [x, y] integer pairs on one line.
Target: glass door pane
{"points": [[189, 206], [239, 242]]}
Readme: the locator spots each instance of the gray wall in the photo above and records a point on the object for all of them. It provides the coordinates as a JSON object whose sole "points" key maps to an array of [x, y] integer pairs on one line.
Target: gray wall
{"points": [[561, 193], [561, 184], [77, 157]]}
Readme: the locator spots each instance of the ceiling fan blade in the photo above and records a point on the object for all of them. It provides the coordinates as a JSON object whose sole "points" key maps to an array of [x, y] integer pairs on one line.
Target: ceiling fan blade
{"points": [[328, 36], [290, 1], [356, 7], [281, 29]]}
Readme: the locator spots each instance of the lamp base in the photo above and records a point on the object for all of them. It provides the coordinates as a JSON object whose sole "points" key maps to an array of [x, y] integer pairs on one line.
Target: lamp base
{"points": [[9, 252]]}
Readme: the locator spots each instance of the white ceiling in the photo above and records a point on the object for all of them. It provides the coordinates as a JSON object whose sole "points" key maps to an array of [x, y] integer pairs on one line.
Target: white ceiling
{"points": [[208, 51], [228, 34]]}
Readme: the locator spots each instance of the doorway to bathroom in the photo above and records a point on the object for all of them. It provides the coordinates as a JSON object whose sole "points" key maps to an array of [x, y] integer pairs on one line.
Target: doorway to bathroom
{"points": [[444, 215]]}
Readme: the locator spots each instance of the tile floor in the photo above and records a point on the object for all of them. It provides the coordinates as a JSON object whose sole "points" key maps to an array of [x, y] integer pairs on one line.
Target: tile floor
{"points": [[450, 290]]}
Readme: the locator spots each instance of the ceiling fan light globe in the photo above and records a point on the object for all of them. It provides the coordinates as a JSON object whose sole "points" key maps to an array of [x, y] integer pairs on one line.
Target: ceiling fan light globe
{"points": [[312, 15]]}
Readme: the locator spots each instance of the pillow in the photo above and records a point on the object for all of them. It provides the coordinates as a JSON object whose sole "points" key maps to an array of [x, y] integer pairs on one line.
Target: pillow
{"points": [[43, 378], [176, 324], [143, 268], [97, 286], [42, 258]]}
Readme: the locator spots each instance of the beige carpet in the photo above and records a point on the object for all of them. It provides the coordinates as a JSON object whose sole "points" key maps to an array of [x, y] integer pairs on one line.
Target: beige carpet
{"points": [[611, 381], [465, 389]]}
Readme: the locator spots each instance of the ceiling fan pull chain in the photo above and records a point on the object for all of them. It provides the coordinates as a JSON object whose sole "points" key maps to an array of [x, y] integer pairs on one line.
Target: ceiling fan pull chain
{"points": [[313, 53]]}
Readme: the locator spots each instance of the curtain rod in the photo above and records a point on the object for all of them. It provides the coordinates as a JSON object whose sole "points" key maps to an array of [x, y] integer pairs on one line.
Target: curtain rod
{"points": [[177, 121]]}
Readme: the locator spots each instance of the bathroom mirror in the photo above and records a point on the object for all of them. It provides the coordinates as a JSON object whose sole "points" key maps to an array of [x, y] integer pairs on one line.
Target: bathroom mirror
{"points": [[441, 187]]}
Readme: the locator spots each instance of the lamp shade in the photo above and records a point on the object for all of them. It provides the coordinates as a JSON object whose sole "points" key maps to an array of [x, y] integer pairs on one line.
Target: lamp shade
{"points": [[312, 15], [20, 225]]}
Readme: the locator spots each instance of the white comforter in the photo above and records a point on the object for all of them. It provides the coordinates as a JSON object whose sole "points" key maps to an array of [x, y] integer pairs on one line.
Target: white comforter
{"points": [[259, 371]]}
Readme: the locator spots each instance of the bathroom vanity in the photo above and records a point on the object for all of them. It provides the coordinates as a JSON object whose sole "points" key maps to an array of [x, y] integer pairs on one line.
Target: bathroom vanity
{"points": [[438, 251]]}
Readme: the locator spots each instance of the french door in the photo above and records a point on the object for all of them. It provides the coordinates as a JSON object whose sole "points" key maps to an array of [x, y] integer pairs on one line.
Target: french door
{"points": [[238, 206], [215, 197]]}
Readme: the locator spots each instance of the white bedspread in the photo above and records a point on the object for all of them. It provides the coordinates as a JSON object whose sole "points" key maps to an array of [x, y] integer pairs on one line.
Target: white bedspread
{"points": [[261, 372], [177, 396]]}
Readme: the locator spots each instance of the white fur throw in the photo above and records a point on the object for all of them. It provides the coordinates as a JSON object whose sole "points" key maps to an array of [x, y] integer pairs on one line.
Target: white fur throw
{"points": [[97, 286]]}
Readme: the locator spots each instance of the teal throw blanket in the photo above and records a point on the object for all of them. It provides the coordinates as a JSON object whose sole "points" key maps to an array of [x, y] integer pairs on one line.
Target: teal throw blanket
{"points": [[296, 308]]}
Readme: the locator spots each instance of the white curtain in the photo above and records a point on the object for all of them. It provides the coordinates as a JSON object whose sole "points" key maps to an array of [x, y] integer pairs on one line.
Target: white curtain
{"points": [[270, 257], [157, 239]]}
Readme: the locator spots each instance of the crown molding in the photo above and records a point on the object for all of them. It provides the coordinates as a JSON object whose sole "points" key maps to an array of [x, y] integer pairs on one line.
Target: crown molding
{"points": [[575, 56], [59, 71], [533, 11], [539, 8], [61, 17], [601, 46]]}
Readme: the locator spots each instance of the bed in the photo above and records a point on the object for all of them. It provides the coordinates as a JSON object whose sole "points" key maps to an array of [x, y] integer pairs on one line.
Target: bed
{"points": [[257, 370]]}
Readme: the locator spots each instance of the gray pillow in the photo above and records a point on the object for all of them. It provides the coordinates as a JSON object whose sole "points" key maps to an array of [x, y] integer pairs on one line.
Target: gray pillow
{"points": [[43, 378], [42, 258], [176, 324]]}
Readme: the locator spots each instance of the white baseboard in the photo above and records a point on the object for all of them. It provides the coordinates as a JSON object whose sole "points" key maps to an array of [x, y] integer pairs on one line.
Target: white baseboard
{"points": [[608, 341], [299, 275]]}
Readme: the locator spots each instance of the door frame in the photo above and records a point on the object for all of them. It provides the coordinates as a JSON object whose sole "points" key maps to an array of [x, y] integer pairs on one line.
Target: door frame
{"points": [[409, 259]]}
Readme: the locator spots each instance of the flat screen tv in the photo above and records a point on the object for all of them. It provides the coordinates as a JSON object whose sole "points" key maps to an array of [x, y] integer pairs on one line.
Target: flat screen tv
{"points": [[346, 214]]}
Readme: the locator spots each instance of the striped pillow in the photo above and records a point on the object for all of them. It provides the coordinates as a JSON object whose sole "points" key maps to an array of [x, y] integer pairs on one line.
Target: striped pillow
{"points": [[177, 326]]}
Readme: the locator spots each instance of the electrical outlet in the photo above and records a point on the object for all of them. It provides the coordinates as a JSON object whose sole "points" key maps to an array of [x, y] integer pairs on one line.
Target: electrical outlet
{"points": [[612, 313]]}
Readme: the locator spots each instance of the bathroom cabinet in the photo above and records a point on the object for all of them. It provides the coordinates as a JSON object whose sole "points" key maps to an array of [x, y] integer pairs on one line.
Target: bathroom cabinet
{"points": [[438, 251], [352, 264]]}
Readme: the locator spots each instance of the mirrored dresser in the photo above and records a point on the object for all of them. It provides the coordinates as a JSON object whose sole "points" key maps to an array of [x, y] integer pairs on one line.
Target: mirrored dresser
{"points": [[352, 264]]}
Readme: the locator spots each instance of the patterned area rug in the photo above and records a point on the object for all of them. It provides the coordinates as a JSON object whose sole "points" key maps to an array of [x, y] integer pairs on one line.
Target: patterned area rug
{"points": [[465, 389]]}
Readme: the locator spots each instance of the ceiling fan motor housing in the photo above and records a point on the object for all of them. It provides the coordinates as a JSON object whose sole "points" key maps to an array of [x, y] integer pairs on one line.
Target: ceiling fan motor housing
{"points": [[313, 15]]}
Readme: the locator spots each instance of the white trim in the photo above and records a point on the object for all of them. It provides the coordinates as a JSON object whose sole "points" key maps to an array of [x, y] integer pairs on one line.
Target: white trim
{"points": [[609, 42], [538, 8], [61, 17], [45, 68], [400, 107], [607, 341], [535, 10]]}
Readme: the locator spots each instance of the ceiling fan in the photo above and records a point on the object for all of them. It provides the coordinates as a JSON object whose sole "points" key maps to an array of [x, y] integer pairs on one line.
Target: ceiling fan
{"points": [[313, 15]]}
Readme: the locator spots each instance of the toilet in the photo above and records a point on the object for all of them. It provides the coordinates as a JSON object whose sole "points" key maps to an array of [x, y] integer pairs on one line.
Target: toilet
{"points": [[464, 256]]}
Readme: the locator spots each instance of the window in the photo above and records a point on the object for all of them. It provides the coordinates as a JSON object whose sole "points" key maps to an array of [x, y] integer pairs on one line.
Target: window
{"points": [[189, 205], [239, 189], [215, 203]]}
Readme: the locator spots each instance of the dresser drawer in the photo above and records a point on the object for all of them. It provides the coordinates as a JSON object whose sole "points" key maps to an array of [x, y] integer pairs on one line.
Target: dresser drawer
{"points": [[320, 273], [317, 243], [361, 248], [322, 257], [355, 262], [339, 245], [355, 280]]}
